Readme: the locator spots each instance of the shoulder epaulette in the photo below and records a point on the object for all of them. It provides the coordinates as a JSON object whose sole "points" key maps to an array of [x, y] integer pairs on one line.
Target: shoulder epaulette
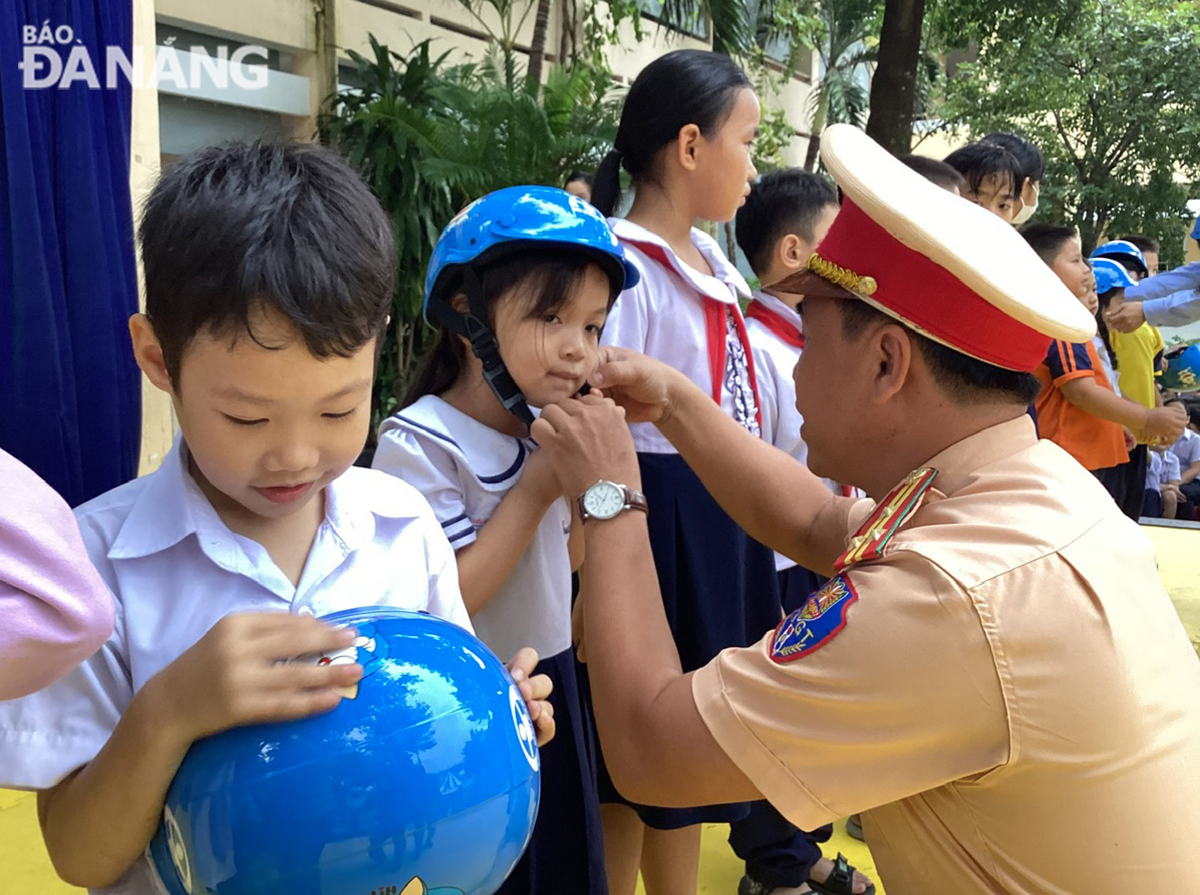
{"points": [[891, 513]]}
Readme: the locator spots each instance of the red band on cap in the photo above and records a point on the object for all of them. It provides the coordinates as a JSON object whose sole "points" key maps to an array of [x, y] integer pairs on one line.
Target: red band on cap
{"points": [[923, 293]]}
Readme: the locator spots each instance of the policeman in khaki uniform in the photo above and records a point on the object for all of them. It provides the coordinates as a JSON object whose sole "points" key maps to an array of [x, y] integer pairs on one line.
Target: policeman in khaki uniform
{"points": [[994, 674]]}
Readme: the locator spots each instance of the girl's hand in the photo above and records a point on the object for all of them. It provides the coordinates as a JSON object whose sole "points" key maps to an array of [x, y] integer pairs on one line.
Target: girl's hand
{"points": [[540, 479], [639, 384], [535, 690]]}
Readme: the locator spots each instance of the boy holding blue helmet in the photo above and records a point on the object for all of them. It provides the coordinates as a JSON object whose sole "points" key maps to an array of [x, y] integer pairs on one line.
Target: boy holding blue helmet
{"points": [[269, 277]]}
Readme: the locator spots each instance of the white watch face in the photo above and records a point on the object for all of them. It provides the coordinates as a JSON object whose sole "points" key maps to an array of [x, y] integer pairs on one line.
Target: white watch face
{"points": [[603, 500]]}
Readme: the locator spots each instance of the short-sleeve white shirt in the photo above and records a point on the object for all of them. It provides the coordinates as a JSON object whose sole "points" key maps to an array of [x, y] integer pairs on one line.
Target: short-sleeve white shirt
{"points": [[1187, 448], [465, 469], [176, 569], [663, 315]]}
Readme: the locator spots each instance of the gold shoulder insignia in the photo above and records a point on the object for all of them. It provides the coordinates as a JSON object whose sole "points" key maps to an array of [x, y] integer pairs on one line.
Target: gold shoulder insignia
{"points": [[891, 513]]}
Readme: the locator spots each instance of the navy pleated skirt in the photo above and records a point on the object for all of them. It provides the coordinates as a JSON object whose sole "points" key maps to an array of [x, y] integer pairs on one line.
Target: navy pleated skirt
{"points": [[566, 852]]}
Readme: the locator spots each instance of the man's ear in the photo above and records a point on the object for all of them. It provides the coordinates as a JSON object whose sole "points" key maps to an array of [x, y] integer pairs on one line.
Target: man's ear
{"points": [[148, 352], [686, 145], [892, 348]]}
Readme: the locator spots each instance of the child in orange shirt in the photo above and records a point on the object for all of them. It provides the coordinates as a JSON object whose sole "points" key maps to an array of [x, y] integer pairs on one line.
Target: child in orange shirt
{"points": [[1078, 409]]}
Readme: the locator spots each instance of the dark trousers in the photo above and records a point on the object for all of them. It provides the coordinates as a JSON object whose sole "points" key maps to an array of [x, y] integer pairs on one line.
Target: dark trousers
{"points": [[776, 852]]}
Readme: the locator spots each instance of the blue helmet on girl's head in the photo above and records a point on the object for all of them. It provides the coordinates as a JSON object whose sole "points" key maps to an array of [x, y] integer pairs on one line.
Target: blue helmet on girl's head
{"points": [[1125, 253], [521, 217], [1110, 275], [504, 222]]}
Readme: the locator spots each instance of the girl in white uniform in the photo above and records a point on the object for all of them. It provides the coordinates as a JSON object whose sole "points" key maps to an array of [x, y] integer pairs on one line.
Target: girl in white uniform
{"points": [[520, 283], [685, 136]]}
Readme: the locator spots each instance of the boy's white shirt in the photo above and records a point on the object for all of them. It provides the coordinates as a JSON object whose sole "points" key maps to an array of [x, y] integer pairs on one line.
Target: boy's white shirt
{"points": [[663, 315], [1187, 448], [176, 569], [774, 361], [464, 469]]}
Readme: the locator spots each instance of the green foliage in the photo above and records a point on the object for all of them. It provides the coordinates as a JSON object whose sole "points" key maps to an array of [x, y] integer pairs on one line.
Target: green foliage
{"points": [[429, 138], [1111, 102]]}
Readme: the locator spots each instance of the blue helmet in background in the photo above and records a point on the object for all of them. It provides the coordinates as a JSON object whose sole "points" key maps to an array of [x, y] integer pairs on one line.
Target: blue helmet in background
{"points": [[501, 223], [1110, 275], [1195, 234], [1183, 370], [1126, 253]]}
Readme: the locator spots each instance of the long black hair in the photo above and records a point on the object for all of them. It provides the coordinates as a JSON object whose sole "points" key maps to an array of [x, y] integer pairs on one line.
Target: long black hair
{"points": [[1102, 324], [550, 275], [681, 88]]}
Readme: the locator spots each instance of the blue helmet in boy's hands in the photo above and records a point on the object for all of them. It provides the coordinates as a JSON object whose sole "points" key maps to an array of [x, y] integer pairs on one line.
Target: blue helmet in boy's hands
{"points": [[1125, 253], [1110, 275], [509, 220]]}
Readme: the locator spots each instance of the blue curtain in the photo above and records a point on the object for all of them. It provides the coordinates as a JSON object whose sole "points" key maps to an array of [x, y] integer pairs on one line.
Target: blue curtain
{"points": [[70, 404]]}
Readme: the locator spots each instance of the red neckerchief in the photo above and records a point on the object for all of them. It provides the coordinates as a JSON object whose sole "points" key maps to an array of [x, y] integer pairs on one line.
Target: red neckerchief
{"points": [[787, 331], [715, 327]]}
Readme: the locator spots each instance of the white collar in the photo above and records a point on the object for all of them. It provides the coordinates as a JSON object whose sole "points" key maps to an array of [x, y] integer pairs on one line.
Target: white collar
{"points": [[726, 283]]}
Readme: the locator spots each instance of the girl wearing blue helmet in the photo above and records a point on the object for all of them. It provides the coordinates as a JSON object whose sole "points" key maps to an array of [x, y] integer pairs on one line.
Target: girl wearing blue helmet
{"points": [[519, 287]]}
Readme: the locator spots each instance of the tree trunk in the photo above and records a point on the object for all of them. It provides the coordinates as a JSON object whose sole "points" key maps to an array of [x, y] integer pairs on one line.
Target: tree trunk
{"points": [[814, 138], [537, 46], [894, 87]]}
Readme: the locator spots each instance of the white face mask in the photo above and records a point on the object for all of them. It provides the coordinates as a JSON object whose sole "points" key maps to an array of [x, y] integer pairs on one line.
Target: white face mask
{"points": [[1027, 209]]}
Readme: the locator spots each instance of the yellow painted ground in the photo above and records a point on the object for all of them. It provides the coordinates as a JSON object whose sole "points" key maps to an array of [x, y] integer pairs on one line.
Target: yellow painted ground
{"points": [[25, 869]]}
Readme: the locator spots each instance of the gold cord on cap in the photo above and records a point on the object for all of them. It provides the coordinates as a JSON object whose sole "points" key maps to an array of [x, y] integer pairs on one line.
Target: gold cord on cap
{"points": [[840, 276]]}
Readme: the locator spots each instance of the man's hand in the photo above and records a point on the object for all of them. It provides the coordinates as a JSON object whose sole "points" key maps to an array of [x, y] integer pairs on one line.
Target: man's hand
{"points": [[1125, 318], [587, 440], [535, 690], [639, 384], [239, 673]]}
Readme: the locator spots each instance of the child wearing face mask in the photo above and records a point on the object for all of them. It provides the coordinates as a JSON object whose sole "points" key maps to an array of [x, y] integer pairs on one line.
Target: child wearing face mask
{"points": [[685, 138], [992, 177], [1032, 166]]}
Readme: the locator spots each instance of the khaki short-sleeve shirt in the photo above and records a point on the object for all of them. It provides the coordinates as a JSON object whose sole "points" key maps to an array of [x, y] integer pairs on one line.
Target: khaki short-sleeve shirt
{"points": [[1005, 688]]}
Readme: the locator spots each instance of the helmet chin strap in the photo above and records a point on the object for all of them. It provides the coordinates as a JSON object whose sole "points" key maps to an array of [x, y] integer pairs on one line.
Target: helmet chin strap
{"points": [[485, 346]]}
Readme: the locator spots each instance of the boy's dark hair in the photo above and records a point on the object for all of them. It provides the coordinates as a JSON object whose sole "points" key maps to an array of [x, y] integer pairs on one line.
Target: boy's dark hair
{"points": [[781, 202], [579, 175], [965, 379], [938, 173], [1144, 243], [232, 230], [1028, 156], [550, 275], [1047, 239], [683, 87], [980, 162]]}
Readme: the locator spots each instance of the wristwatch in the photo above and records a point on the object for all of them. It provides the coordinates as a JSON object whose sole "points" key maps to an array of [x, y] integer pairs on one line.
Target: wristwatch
{"points": [[606, 499]]}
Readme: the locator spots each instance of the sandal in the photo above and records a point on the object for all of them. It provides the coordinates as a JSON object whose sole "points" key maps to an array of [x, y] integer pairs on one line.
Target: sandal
{"points": [[840, 880], [854, 827]]}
